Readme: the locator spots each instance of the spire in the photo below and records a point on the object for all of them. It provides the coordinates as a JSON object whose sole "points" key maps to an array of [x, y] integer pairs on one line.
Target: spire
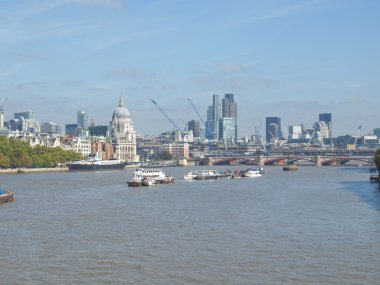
{"points": [[121, 102]]}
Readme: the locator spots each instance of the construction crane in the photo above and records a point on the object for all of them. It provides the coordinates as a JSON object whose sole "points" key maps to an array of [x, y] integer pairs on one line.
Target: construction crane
{"points": [[166, 116], [3, 104], [357, 136], [309, 141], [196, 111]]}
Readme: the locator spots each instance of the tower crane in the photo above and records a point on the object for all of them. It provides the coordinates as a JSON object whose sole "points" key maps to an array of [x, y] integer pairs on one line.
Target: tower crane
{"points": [[196, 111], [166, 116], [357, 136], [3, 104]]}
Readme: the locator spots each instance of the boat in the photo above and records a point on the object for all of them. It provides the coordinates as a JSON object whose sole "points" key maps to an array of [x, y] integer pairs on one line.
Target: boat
{"points": [[156, 174], [6, 196], [209, 174], [148, 181], [93, 163], [190, 175], [253, 172], [290, 167], [374, 178]]}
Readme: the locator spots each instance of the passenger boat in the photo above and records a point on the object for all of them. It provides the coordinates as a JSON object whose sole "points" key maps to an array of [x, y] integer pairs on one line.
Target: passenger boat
{"points": [[253, 172], [93, 164], [209, 174], [290, 167], [6, 196], [155, 174], [148, 181], [190, 175]]}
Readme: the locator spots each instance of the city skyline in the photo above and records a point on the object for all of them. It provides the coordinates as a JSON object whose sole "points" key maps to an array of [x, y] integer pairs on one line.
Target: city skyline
{"points": [[292, 60]]}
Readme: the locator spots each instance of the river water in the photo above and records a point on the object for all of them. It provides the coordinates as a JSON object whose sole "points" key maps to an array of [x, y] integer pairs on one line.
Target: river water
{"points": [[319, 225]]}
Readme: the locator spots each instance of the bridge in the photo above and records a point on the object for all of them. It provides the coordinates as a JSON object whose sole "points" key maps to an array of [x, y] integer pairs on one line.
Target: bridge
{"points": [[317, 160]]}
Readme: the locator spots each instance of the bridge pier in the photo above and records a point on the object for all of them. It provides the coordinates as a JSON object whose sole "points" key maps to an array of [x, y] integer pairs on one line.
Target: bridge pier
{"points": [[318, 161], [261, 160]]}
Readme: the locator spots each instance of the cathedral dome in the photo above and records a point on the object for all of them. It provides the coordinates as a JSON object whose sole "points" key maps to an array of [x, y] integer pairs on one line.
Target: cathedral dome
{"points": [[121, 112]]}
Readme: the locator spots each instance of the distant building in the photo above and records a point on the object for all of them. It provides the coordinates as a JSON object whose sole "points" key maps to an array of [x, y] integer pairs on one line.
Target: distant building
{"points": [[326, 118], [214, 113], [51, 128], [28, 115], [370, 141], [322, 128], [177, 150], [295, 132], [99, 131], [82, 146], [376, 132], [273, 128], [195, 126], [70, 129], [82, 120], [227, 129], [123, 135], [229, 110]]}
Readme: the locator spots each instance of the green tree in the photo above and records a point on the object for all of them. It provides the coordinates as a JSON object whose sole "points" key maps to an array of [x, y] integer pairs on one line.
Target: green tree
{"points": [[377, 160], [4, 161]]}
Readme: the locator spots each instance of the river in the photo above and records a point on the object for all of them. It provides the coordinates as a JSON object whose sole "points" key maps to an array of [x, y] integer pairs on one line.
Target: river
{"points": [[319, 225]]}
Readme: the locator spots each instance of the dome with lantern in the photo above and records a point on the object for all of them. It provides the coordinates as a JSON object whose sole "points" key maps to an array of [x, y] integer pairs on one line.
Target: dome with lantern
{"points": [[121, 112]]}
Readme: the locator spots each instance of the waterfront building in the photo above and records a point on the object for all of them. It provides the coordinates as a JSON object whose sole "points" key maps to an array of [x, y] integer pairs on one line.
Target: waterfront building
{"points": [[326, 118], [273, 128], [370, 141], [177, 150], [229, 110], [81, 145], [102, 147], [70, 129], [82, 120], [123, 135], [50, 128]]}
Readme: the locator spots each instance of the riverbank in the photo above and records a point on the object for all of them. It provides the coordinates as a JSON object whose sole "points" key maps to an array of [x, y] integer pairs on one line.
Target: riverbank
{"points": [[32, 170]]}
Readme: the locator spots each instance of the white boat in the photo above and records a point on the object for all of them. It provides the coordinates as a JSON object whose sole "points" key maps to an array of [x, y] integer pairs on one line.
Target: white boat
{"points": [[253, 172], [148, 181], [190, 175], [155, 174]]}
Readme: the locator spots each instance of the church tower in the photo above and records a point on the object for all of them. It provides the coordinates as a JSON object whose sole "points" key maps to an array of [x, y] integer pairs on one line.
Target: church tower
{"points": [[123, 135]]}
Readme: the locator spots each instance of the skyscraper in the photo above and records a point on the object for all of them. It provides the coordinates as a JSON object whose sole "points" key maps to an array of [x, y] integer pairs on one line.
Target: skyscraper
{"points": [[82, 120], [229, 110], [326, 117], [214, 113], [273, 128], [195, 126]]}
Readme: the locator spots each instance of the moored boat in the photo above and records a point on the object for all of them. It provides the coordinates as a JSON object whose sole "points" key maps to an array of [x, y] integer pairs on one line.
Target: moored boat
{"points": [[148, 181], [6, 196], [95, 164], [290, 167], [253, 172]]}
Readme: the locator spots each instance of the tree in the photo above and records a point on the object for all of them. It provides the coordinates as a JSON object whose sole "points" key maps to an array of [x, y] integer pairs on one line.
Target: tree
{"points": [[377, 160]]}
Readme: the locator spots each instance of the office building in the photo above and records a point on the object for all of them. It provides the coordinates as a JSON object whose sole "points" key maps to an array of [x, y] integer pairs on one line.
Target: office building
{"points": [[376, 132], [214, 113], [82, 120], [326, 118], [295, 132], [273, 128], [27, 115], [70, 129], [50, 128], [229, 110], [227, 129], [195, 126]]}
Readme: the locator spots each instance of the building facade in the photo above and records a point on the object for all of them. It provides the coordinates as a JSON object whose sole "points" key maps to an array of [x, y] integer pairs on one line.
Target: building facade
{"points": [[123, 135], [326, 118], [229, 111], [273, 128], [82, 120]]}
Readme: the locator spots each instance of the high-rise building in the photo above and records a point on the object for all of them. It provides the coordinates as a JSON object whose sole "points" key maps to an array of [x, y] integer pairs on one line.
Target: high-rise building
{"points": [[82, 120], [50, 128], [227, 129], [214, 113], [376, 132], [326, 117], [229, 110], [273, 128], [27, 115], [70, 129], [195, 126]]}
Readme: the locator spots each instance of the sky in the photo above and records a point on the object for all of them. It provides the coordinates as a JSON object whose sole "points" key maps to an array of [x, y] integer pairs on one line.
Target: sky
{"points": [[288, 58]]}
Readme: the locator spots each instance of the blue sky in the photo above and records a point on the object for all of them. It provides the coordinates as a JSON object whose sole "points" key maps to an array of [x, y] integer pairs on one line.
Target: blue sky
{"points": [[293, 59]]}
